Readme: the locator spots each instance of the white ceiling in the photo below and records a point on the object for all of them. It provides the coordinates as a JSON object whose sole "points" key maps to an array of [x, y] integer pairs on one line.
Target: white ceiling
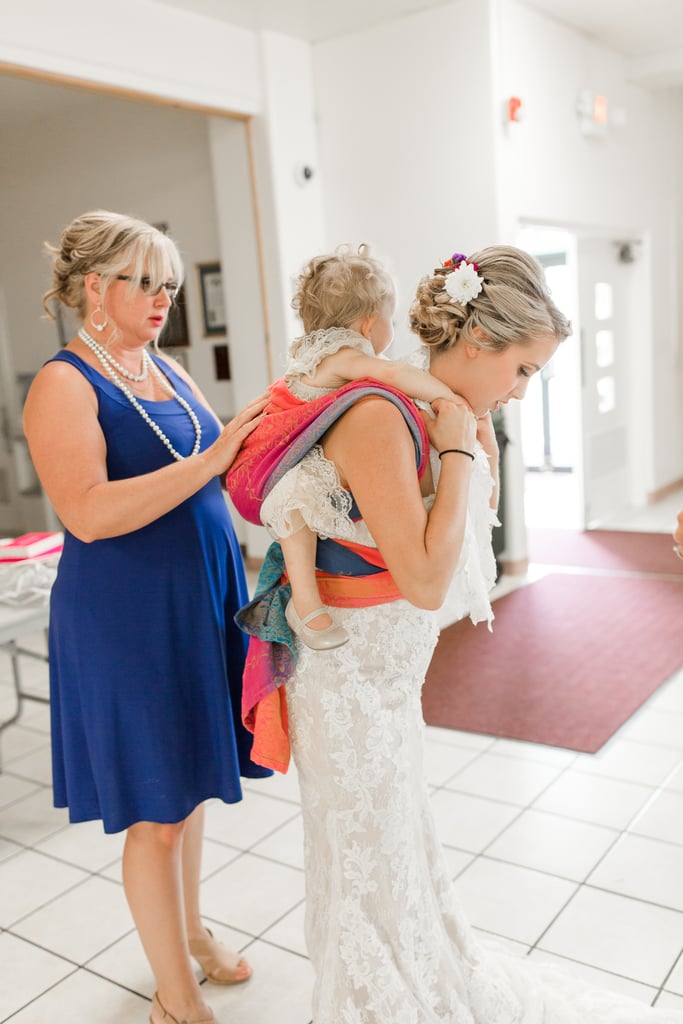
{"points": [[635, 28], [309, 19], [630, 26], [648, 32]]}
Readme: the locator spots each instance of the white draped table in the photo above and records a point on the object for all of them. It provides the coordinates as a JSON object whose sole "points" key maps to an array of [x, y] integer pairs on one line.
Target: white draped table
{"points": [[24, 596]]}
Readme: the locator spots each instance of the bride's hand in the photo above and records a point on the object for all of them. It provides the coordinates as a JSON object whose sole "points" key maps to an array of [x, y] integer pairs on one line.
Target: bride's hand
{"points": [[454, 425], [678, 532]]}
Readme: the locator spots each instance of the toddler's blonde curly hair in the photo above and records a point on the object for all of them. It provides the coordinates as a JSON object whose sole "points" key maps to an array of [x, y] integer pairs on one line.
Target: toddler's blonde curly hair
{"points": [[340, 288]]}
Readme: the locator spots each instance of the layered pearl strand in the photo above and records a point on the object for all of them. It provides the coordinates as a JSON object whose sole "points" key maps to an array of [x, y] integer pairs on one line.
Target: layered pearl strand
{"points": [[107, 359], [117, 372]]}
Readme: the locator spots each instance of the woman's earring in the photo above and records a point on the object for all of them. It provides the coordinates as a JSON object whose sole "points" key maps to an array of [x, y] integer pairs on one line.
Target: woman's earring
{"points": [[98, 327]]}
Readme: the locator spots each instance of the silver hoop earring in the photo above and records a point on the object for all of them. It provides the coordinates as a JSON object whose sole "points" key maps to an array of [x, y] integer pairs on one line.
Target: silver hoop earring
{"points": [[98, 327]]}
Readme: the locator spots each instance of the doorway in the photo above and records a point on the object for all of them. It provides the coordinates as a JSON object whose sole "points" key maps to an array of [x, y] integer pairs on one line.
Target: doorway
{"points": [[188, 169], [576, 424], [550, 413]]}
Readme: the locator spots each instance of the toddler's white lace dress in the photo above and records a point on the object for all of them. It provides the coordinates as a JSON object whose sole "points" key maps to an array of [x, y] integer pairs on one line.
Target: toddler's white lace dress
{"points": [[311, 494], [387, 938]]}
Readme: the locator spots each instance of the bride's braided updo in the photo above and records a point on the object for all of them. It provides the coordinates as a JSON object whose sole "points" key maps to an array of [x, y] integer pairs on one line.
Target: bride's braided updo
{"points": [[513, 306]]}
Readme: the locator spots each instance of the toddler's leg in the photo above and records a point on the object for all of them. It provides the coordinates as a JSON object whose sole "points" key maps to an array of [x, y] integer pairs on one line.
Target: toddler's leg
{"points": [[317, 631], [299, 552]]}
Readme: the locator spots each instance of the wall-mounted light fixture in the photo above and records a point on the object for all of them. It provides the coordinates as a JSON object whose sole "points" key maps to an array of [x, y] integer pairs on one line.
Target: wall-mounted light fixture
{"points": [[593, 113], [513, 110]]}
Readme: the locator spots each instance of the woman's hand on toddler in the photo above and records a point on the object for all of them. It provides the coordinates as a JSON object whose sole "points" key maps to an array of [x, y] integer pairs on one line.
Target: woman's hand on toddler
{"points": [[227, 445]]}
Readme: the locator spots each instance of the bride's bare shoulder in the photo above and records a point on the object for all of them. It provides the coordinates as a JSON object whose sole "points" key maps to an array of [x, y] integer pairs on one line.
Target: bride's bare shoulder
{"points": [[371, 422]]}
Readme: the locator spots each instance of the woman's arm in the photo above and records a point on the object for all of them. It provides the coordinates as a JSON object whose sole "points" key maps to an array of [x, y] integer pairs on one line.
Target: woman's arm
{"points": [[678, 532], [349, 364], [375, 456], [68, 450]]}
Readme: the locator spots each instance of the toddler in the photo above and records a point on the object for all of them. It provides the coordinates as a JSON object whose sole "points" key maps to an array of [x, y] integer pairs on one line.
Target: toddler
{"points": [[346, 301]]}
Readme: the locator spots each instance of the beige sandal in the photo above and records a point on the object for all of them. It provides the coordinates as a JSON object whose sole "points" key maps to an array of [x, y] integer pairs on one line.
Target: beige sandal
{"points": [[220, 964], [160, 1015]]}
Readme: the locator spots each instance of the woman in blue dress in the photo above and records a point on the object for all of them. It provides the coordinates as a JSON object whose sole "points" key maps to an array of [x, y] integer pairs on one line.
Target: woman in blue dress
{"points": [[145, 659]]}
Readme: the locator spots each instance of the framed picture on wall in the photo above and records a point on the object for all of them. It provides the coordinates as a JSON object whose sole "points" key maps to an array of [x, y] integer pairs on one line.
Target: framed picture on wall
{"points": [[221, 362], [213, 303], [175, 334]]}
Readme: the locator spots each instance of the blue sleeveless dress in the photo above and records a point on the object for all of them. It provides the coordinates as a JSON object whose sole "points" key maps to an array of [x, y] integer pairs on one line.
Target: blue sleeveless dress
{"points": [[145, 658]]}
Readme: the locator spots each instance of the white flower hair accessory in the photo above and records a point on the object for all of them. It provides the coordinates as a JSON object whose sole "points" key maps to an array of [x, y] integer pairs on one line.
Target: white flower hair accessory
{"points": [[465, 282]]}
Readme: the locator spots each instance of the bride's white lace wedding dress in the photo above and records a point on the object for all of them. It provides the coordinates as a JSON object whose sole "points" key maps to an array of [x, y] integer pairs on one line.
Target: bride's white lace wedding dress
{"points": [[388, 941]]}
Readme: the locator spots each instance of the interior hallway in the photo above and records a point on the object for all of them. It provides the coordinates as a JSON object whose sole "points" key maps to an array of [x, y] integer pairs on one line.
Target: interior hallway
{"points": [[554, 854]]}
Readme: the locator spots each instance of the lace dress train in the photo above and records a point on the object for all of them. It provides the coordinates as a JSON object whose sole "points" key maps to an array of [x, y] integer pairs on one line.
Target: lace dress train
{"points": [[387, 939]]}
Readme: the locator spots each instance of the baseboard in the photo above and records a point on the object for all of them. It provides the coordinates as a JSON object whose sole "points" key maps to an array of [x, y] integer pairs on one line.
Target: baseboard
{"points": [[519, 567], [253, 564], [664, 492]]}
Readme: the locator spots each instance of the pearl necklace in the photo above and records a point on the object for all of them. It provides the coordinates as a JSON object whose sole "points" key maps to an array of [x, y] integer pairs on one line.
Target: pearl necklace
{"points": [[104, 355], [111, 367]]}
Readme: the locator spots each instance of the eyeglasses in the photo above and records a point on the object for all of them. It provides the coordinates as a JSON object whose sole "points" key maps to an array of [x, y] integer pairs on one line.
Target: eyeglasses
{"points": [[172, 287]]}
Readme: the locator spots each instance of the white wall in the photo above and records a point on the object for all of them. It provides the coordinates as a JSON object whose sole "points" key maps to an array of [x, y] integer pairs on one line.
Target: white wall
{"points": [[406, 141], [676, 441], [242, 282], [192, 60], [136, 44], [291, 206], [624, 184], [412, 155], [416, 160], [145, 46], [150, 161]]}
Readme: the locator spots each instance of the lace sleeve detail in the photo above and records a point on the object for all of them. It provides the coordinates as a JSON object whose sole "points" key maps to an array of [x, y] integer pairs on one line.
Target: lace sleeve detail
{"points": [[308, 352], [309, 494]]}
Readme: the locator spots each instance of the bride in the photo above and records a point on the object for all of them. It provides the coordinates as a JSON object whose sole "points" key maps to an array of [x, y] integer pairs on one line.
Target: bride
{"points": [[386, 936]]}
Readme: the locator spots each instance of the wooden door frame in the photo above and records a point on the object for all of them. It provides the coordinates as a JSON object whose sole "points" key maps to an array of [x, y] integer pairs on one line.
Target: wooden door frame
{"points": [[53, 78]]}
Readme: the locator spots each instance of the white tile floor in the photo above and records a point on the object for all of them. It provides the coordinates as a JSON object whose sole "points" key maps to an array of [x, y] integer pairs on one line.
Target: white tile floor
{"points": [[561, 856]]}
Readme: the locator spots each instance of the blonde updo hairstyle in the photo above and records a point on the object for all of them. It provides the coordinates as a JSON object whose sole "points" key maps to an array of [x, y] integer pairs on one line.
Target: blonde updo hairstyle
{"points": [[108, 244], [514, 305], [341, 288]]}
